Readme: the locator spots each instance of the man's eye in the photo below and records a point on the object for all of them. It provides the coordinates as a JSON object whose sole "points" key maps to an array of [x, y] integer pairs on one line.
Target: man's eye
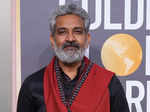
{"points": [[78, 31], [61, 32]]}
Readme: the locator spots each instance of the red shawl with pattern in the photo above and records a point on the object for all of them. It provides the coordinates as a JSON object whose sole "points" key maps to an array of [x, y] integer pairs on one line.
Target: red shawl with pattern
{"points": [[91, 93]]}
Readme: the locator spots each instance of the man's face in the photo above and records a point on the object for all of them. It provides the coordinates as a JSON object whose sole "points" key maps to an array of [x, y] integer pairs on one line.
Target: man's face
{"points": [[70, 39]]}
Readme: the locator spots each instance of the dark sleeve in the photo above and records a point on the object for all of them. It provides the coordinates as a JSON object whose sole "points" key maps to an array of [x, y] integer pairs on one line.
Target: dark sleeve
{"points": [[118, 101], [31, 98], [25, 101]]}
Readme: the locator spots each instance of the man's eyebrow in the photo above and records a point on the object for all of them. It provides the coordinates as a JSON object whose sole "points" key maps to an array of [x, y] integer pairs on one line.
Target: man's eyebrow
{"points": [[60, 28], [78, 28], [74, 28]]}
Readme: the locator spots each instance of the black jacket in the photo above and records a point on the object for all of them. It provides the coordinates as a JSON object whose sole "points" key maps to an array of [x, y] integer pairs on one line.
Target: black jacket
{"points": [[31, 97]]}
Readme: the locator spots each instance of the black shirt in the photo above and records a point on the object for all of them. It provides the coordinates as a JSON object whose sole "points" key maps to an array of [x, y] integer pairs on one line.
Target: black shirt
{"points": [[31, 98]]}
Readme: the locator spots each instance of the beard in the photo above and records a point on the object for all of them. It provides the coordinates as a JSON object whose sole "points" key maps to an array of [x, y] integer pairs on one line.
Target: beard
{"points": [[73, 52]]}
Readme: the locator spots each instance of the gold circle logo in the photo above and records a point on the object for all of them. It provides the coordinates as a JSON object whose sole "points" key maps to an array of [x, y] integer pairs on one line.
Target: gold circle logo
{"points": [[121, 54]]}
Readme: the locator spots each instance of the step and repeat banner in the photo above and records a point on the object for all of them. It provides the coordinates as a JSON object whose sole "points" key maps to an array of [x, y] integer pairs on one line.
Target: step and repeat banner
{"points": [[120, 42]]}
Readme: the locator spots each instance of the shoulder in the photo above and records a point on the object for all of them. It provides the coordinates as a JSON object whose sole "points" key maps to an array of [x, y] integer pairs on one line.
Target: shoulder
{"points": [[100, 75], [97, 69], [102, 71], [31, 82], [36, 76]]}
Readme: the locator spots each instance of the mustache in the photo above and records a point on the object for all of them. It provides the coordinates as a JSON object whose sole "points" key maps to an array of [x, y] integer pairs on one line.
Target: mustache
{"points": [[71, 44]]}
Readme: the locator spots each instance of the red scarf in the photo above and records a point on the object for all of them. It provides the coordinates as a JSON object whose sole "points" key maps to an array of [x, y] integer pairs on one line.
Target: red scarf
{"points": [[91, 95]]}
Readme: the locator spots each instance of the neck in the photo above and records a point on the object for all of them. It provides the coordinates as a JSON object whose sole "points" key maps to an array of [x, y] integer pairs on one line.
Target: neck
{"points": [[70, 69]]}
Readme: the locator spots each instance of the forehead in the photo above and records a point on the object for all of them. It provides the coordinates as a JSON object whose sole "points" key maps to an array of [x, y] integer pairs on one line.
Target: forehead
{"points": [[69, 21]]}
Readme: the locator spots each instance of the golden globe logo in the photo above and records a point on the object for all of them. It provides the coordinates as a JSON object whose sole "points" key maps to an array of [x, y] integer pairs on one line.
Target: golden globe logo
{"points": [[122, 54]]}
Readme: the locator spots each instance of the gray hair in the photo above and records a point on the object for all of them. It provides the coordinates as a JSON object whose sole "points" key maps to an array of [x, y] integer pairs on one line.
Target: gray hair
{"points": [[69, 9]]}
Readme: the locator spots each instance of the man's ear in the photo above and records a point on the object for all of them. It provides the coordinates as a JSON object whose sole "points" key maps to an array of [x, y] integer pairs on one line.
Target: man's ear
{"points": [[52, 41], [89, 38]]}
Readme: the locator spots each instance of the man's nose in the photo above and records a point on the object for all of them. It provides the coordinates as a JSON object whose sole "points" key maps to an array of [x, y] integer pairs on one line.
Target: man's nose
{"points": [[70, 37]]}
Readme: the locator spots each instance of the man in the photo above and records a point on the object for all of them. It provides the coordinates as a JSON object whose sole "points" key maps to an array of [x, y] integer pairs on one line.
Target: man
{"points": [[71, 82]]}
